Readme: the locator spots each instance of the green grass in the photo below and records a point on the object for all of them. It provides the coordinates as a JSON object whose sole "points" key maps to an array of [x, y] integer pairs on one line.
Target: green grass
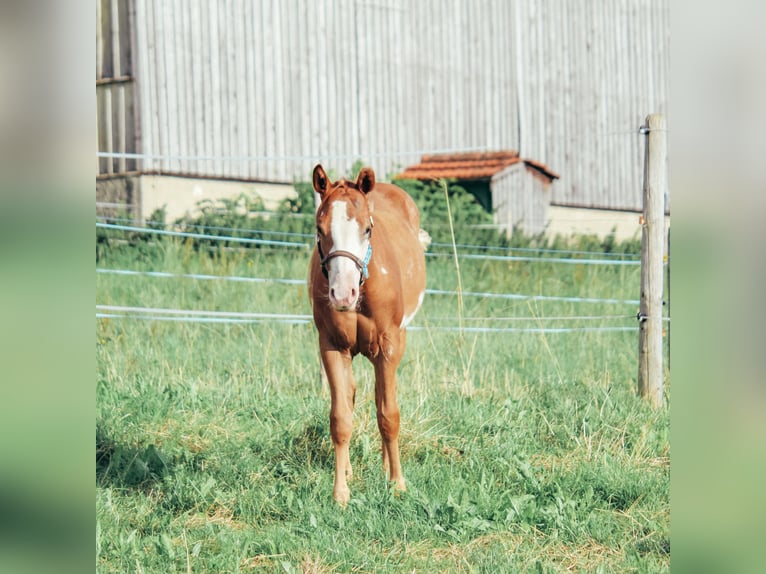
{"points": [[522, 452]]}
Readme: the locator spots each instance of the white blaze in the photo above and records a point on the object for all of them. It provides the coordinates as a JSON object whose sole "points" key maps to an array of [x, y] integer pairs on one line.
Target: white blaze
{"points": [[346, 236]]}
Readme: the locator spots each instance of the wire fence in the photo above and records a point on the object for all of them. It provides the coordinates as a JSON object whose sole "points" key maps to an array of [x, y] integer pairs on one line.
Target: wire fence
{"points": [[287, 239], [432, 323], [309, 245], [228, 238], [238, 317], [481, 294], [310, 236], [202, 277], [232, 317]]}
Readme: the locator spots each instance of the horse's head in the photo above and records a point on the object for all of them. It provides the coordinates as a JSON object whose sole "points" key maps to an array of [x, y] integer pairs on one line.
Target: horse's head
{"points": [[344, 227]]}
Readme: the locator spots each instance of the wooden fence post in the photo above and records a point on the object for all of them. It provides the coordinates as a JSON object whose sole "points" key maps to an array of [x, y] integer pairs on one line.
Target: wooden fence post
{"points": [[650, 372]]}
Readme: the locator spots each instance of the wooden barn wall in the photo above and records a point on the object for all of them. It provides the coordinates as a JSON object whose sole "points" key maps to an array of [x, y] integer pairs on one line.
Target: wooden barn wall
{"points": [[284, 82], [115, 84], [520, 199]]}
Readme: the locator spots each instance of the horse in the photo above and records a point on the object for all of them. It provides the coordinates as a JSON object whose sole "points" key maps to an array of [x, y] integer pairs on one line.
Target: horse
{"points": [[367, 280]]}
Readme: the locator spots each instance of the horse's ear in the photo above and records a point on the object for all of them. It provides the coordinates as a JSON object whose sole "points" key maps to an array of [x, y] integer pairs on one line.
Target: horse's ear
{"points": [[320, 179], [366, 180]]}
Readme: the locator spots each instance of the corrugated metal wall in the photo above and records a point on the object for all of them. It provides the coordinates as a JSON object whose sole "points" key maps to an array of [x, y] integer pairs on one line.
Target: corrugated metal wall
{"points": [[566, 82]]}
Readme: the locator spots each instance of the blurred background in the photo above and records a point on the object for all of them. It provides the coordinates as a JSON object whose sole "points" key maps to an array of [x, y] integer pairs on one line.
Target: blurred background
{"points": [[50, 147]]}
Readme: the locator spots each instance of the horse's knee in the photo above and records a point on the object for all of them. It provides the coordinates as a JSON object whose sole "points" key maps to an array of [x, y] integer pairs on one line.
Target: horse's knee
{"points": [[340, 428], [388, 422]]}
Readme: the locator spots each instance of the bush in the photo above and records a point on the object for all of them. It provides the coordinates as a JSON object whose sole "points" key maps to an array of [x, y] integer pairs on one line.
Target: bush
{"points": [[467, 214], [244, 216]]}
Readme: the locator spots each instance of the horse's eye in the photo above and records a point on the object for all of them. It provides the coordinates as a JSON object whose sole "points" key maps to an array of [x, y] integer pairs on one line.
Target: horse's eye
{"points": [[368, 231], [319, 232]]}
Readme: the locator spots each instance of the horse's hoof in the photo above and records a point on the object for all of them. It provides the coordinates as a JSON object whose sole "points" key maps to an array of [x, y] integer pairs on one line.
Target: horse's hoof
{"points": [[341, 496]]}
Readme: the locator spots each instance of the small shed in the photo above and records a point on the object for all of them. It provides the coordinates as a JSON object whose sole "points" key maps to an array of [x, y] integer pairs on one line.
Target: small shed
{"points": [[516, 191]]}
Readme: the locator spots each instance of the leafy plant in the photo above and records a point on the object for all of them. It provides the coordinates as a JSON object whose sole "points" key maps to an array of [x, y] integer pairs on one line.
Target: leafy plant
{"points": [[467, 212]]}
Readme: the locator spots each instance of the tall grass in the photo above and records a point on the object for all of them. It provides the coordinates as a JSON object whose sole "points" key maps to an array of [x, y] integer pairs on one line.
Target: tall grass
{"points": [[213, 450]]}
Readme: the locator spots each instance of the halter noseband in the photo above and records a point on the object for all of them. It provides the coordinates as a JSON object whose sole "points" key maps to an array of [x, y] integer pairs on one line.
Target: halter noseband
{"points": [[361, 264]]}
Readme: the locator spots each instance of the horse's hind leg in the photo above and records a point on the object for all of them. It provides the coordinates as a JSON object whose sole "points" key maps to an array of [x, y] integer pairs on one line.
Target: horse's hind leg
{"points": [[342, 390], [388, 411]]}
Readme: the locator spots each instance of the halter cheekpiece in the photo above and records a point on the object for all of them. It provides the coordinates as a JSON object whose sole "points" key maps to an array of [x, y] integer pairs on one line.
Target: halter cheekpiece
{"points": [[361, 264]]}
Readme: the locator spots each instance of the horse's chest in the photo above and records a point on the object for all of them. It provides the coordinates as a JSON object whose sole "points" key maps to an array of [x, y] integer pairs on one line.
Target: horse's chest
{"points": [[361, 336]]}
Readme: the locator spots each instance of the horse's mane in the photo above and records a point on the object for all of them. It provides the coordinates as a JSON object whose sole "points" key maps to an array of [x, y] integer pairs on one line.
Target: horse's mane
{"points": [[346, 183]]}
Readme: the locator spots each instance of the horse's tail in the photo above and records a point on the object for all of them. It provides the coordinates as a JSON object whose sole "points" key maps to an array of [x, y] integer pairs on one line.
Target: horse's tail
{"points": [[425, 239]]}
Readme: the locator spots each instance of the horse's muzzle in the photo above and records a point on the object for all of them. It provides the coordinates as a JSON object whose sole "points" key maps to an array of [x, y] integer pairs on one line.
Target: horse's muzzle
{"points": [[344, 299]]}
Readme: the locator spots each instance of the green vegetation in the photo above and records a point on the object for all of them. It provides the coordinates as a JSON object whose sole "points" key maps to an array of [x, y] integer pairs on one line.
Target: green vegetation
{"points": [[293, 221], [523, 452]]}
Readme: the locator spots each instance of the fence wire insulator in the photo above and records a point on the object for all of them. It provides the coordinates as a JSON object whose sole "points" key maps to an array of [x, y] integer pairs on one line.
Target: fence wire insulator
{"points": [[642, 317]]}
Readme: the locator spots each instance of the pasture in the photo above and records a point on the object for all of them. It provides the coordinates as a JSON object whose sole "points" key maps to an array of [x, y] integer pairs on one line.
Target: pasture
{"points": [[523, 450]]}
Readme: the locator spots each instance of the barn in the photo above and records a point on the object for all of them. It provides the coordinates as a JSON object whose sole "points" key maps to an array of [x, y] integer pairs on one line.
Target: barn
{"points": [[517, 191], [198, 100]]}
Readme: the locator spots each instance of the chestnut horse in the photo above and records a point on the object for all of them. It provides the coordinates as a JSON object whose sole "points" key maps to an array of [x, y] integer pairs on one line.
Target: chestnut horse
{"points": [[366, 282]]}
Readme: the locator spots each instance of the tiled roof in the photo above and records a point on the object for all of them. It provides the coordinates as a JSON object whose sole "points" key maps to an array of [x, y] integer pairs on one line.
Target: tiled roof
{"points": [[468, 166]]}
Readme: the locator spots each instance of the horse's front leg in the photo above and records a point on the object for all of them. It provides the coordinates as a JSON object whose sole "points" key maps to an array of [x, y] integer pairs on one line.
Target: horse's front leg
{"points": [[387, 406], [340, 377]]}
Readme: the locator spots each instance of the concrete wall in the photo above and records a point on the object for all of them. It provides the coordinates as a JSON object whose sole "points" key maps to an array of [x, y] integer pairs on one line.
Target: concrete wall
{"points": [[573, 220], [143, 194]]}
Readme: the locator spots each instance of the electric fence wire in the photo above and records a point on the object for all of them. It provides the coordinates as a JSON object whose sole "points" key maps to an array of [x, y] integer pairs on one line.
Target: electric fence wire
{"points": [[127, 220], [278, 243], [199, 316], [489, 295]]}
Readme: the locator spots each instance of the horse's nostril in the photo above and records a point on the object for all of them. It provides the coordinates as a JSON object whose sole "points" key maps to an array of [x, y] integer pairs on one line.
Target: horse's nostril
{"points": [[353, 292], [332, 293]]}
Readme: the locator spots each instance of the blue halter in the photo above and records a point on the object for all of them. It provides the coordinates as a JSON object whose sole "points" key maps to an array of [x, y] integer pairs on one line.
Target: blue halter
{"points": [[366, 261]]}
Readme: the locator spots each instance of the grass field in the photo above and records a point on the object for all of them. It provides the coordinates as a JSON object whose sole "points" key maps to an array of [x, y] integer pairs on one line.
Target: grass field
{"points": [[523, 452]]}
